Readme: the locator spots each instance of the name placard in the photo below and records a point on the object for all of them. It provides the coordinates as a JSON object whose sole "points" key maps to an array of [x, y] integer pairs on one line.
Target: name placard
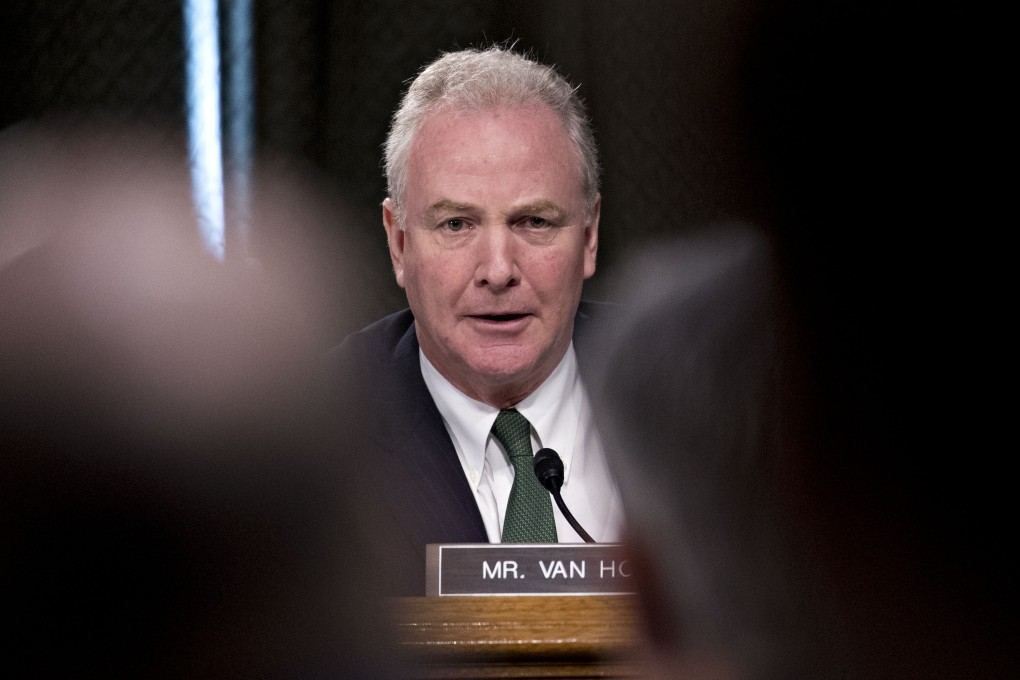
{"points": [[527, 569]]}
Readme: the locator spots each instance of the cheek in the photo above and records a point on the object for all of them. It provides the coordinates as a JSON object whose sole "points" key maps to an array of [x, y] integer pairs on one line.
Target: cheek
{"points": [[439, 282], [416, 284], [558, 273]]}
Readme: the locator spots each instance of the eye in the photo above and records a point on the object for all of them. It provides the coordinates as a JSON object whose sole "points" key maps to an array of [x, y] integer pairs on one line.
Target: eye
{"points": [[537, 222], [454, 224]]}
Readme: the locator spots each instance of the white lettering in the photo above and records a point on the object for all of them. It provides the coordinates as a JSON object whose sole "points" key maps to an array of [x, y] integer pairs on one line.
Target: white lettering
{"points": [[554, 569], [576, 570], [621, 569], [495, 571], [557, 568], [500, 570]]}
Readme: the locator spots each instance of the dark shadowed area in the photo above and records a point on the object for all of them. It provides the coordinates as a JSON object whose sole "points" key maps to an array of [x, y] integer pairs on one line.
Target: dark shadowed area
{"points": [[168, 507]]}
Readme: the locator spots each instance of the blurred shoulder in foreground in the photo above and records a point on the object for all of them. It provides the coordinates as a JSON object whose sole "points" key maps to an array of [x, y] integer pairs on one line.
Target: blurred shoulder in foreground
{"points": [[757, 560], [167, 507]]}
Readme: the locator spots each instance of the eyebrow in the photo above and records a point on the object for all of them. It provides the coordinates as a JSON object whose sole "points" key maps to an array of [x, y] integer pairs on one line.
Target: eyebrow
{"points": [[448, 206], [538, 207]]}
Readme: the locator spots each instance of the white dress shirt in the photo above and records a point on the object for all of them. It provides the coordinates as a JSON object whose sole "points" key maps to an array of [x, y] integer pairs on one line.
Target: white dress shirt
{"points": [[561, 419]]}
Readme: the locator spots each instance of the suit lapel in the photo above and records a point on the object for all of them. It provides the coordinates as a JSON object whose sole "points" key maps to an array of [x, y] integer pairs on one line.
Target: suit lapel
{"points": [[433, 481]]}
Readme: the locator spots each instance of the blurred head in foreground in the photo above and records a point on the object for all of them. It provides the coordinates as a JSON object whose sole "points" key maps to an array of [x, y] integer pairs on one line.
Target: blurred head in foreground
{"points": [[165, 510], [694, 370], [758, 559]]}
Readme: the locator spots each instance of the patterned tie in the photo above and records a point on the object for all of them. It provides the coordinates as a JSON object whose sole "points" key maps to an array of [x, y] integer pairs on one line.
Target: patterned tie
{"points": [[529, 515]]}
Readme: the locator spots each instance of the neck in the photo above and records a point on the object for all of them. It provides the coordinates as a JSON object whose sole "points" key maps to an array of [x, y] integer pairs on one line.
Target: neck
{"points": [[503, 396]]}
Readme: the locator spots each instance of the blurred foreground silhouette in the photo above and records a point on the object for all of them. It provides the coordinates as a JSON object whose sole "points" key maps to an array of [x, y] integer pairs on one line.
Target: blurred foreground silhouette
{"points": [[758, 559], [168, 507]]}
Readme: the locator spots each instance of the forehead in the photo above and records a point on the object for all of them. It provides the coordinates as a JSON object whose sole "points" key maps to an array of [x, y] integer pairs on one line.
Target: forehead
{"points": [[505, 142]]}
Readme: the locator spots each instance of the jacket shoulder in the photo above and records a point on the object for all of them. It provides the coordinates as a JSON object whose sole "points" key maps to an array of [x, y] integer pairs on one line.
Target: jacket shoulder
{"points": [[366, 352], [377, 339]]}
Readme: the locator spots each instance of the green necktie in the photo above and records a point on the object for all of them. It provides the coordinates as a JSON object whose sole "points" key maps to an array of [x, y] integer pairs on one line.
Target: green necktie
{"points": [[529, 514]]}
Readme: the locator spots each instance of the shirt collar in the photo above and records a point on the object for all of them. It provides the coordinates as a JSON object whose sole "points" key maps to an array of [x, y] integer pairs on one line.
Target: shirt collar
{"points": [[551, 409]]}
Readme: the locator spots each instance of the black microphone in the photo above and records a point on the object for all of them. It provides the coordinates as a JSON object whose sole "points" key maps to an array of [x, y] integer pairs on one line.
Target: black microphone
{"points": [[549, 470]]}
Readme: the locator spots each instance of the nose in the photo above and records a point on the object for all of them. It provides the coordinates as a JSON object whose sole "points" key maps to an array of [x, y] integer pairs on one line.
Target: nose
{"points": [[497, 262]]}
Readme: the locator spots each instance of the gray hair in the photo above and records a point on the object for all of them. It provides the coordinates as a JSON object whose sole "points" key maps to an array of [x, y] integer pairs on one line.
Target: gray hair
{"points": [[482, 80]]}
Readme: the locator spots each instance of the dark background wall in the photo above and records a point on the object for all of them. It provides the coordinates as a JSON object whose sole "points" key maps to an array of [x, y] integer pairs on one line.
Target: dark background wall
{"points": [[659, 78], [850, 131], [859, 135]]}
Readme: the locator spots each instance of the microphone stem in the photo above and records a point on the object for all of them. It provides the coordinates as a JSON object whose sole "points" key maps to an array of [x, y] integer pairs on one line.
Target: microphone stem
{"points": [[570, 518]]}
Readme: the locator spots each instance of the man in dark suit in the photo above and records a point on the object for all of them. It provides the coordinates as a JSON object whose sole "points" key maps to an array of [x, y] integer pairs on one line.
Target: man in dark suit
{"points": [[492, 225]]}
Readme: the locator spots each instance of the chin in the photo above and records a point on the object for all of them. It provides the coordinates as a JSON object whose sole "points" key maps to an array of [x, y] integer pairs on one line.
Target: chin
{"points": [[501, 376], [503, 367]]}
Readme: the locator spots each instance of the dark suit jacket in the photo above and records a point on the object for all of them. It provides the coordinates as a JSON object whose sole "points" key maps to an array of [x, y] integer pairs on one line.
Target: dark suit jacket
{"points": [[389, 426]]}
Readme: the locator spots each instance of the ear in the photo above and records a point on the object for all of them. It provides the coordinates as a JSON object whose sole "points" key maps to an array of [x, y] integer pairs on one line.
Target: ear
{"points": [[591, 238], [394, 239]]}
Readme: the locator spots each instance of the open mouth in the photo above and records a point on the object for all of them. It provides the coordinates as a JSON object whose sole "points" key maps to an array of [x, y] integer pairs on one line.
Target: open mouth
{"points": [[500, 317]]}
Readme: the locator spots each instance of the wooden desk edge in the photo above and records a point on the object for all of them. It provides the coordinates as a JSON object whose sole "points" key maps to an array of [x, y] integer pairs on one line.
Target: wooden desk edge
{"points": [[517, 629]]}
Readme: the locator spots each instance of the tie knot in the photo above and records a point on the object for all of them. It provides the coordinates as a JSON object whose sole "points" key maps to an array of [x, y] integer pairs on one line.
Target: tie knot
{"points": [[514, 432]]}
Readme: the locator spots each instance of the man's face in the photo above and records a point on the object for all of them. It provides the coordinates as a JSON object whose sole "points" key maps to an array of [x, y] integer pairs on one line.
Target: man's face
{"points": [[494, 247]]}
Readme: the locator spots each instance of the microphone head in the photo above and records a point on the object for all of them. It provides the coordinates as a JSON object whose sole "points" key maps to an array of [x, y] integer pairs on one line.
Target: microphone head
{"points": [[549, 469]]}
